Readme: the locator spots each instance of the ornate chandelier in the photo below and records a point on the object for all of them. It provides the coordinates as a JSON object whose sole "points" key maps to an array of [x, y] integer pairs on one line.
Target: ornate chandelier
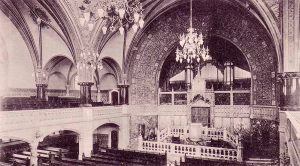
{"points": [[118, 13], [88, 62], [192, 45]]}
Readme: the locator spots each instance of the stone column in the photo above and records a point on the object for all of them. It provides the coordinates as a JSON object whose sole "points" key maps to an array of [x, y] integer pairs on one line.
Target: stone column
{"points": [[41, 91], [98, 94], [140, 142], [85, 146], [240, 152], [86, 136], [85, 94], [229, 74], [34, 154], [291, 89], [188, 76], [68, 90], [123, 94]]}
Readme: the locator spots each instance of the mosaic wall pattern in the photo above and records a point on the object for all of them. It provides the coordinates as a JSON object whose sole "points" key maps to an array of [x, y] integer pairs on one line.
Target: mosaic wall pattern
{"points": [[150, 122], [149, 52]]}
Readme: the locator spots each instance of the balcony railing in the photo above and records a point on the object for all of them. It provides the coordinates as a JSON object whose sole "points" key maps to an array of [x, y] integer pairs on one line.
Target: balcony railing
{"points": [[192, 150]]}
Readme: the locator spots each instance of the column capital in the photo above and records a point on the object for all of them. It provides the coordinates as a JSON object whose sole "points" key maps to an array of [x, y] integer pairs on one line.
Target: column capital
{"points": [[85, 83], [288, 75], [42, 85], [123, 85]]}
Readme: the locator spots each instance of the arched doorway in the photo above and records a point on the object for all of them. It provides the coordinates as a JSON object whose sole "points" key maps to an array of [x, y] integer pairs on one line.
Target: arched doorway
{"points": [[150, 49], [106, 136], [114, 139], [115, 97], [227, 71]]}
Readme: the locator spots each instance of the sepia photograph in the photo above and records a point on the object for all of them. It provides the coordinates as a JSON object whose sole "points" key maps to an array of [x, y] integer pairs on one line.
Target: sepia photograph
{"points": [[149, 83]]}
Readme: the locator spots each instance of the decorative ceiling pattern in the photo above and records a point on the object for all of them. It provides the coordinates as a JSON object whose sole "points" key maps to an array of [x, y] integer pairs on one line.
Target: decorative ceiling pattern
{"points": [[274, 6], [65, 18]]}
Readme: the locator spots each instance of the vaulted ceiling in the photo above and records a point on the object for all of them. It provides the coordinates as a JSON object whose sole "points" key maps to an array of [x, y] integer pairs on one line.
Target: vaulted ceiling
{"points": [[64, 19]]}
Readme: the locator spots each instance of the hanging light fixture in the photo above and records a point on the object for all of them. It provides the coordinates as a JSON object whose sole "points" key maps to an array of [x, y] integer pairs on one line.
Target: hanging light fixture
{"points": [[192, 45], [88, 62], [118, 13]]}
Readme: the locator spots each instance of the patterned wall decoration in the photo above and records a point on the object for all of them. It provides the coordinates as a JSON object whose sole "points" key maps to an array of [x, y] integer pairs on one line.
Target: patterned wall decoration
{"points": [[150, 122], [274, 7], [149, 51]]}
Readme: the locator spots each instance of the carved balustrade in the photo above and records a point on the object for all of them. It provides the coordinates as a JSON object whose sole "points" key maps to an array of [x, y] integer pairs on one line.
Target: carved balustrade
{"points": [[192, 150]]}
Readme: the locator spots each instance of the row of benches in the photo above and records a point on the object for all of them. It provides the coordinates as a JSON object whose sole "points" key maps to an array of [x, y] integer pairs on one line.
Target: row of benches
{"points": [[193, 161], [30, 103], [26, 103], [113, 157], [108, 157], [23, 158]]}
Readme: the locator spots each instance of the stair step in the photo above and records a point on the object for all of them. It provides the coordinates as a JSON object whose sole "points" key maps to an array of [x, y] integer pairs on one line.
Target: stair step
{"points": [[259, 159], [260, 162]]}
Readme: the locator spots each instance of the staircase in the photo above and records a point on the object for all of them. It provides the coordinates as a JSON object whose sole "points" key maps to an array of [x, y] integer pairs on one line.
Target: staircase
{"points": [[176, 151], [260, 162]]}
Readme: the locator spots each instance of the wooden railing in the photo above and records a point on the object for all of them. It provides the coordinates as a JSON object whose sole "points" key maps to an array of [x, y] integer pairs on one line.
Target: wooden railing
{"points": [[192, 150]]}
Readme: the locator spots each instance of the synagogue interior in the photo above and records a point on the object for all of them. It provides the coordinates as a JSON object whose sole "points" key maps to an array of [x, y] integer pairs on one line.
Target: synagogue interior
{"points": [[149, 82]]}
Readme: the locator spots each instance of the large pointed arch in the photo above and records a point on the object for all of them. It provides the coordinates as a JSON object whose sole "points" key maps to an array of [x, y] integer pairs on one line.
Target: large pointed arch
{"points": [[235, 24]]}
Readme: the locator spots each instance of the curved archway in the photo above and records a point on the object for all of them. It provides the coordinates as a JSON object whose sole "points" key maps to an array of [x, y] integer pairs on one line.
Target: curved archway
{"points": [[237, 26], [55, 61], [57, 80], [264, 14], [108, 81], [106, 136], [114, 66], [3, 64], [59, 69]]}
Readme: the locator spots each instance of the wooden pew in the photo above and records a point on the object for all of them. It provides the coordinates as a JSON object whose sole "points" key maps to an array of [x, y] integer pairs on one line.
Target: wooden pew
{"points": [[21, 159]]}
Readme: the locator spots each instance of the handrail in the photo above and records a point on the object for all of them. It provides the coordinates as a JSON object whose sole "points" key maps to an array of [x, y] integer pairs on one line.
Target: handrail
{"points": [[192, 150]]}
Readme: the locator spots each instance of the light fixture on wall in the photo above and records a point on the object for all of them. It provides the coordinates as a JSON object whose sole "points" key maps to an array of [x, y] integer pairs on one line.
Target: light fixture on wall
{"points": [[88, 62], [192, 45], [118, 13]]}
